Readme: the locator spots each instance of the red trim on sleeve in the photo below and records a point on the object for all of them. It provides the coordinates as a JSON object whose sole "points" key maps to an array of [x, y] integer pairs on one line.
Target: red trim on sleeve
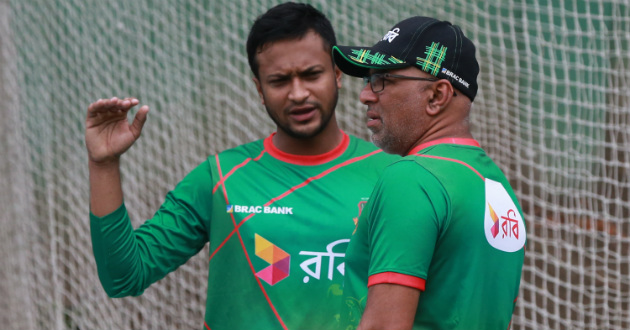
{"points": [[397, 278], [306, 159]]}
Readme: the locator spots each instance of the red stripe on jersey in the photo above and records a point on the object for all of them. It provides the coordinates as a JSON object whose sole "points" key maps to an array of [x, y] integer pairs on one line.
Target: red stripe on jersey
{"points": [[286, 193], [206, 325], [320, 175], [222, 178], [238, 233], [461, 141], [397, 278], [237, 226], [455, 161], [227, 238], [306, 159]]}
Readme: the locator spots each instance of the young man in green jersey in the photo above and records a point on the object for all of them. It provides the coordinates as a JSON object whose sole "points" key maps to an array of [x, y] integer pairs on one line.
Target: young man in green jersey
{"points": [[278, 212], [440, 243]]}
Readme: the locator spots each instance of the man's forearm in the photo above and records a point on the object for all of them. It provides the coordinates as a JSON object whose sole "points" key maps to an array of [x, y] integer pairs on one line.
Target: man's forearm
{"points": [[105, 188], [390, 307]]}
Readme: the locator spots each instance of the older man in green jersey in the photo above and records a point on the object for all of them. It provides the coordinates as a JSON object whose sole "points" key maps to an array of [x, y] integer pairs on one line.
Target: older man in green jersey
{"points": [[440, 244]]}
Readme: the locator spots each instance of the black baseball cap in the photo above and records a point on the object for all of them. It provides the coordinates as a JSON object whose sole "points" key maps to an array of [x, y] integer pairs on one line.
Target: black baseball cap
{"points": [[436, 47]]}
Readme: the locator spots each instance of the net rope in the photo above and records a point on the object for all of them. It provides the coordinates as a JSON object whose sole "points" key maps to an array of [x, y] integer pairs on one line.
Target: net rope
{"points": [[553, 110]]}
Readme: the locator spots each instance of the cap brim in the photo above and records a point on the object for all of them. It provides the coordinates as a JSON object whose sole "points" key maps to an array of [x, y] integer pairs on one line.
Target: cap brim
{"points": [[358, 61]]}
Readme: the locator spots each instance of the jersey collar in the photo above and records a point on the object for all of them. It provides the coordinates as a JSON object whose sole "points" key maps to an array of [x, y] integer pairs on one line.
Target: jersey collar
{"points": [[306, 159], [460, 141]]}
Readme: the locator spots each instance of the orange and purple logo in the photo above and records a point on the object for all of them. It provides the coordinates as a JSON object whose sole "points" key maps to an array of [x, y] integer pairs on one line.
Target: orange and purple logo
{"points": [[279, 261]]}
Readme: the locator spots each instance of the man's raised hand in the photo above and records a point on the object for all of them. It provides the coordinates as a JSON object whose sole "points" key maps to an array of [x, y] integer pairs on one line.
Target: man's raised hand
{"points": [[108, 133]]}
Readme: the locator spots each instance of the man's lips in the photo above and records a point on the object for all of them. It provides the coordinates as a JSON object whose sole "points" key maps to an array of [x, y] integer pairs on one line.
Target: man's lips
{"points": [[302, 113], [373, 119]]}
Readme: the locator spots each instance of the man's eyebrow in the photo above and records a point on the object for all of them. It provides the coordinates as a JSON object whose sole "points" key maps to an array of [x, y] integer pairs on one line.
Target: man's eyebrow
{"points": [[311, 68], [278, 76], [308, 70]]}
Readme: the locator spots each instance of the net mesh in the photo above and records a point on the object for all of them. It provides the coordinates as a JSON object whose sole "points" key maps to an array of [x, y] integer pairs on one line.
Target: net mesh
{"points": [[553, 110]]}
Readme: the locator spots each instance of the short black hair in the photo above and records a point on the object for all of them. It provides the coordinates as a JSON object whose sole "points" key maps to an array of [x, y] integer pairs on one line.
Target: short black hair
{"points": [[289, 20]]}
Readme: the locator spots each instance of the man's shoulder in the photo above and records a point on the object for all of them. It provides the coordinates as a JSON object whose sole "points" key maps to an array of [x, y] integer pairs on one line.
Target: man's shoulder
{"points": [[452, 157], [249, 148], [405, 168]]}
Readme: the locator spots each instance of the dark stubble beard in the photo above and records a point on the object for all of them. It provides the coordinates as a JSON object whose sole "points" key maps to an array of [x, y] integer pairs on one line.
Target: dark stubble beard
{"points": [[307, 135], [396, 139], [389, 144]]}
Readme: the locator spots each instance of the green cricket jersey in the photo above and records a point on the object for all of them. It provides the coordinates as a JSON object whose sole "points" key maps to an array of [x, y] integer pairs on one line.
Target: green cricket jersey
{"points": [[443, 220], [278, 227]]}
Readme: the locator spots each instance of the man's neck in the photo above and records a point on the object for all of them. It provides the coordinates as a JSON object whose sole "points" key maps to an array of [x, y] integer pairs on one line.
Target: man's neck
{"points": [[325, 141]]}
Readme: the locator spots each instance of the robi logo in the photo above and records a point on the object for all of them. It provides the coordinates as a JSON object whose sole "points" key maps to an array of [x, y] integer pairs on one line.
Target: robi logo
{"points": [[279, 261], [509, 226], [503, 225]]}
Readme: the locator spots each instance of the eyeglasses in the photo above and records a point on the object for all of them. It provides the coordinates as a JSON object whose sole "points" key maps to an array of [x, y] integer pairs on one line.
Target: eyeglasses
{"points": [[377, 80]]}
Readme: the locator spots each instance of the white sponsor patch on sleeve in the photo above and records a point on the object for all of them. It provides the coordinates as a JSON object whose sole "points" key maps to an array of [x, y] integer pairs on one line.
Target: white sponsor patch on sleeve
{"points": [[503, 224]]}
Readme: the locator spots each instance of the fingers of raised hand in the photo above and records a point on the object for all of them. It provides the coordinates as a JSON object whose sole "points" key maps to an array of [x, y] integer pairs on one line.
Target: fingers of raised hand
{"points": [[139, 120], [113, 105]]}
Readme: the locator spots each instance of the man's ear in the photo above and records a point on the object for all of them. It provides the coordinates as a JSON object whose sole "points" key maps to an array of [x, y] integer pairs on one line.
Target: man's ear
{"points": [[338, 75], [259, 89], [442, 94]]}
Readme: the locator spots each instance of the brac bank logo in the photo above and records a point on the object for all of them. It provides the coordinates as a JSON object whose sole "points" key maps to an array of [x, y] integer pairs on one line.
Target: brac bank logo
{"points": [[279, 261], [259, 209]]}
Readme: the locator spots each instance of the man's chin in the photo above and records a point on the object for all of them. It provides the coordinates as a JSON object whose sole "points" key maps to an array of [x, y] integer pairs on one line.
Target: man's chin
{"points": [[386, 146], [376, 140], [304, 134]]}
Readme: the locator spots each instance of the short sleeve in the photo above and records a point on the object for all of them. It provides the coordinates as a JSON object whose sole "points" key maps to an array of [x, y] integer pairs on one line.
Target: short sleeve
{"points": [[408, 210]]}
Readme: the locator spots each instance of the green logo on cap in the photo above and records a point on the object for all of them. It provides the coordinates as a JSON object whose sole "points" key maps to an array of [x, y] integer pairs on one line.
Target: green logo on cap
{"points": [[433, 62], [365, 56]]}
